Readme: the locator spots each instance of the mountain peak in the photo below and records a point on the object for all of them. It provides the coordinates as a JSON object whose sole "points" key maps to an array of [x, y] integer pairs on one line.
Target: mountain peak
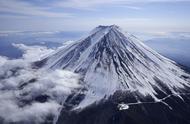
{"points": [[105, 29], [108, 26]]}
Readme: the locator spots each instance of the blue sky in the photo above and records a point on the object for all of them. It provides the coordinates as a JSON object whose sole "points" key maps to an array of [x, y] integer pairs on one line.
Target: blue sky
{"points": [[152, 16]]}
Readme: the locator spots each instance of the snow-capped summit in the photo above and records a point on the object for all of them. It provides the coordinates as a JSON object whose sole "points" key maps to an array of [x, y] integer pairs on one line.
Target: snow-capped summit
{"points": [[111, 60], [102, 27]]}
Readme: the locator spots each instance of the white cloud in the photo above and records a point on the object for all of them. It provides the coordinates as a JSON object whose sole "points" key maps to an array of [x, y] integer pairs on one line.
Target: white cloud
{"points": [[22, 88], [3, 60], [34, 113], [171, 35], [86, 24], [25, 8], [90, 4], [82, 21], [34, 52]]}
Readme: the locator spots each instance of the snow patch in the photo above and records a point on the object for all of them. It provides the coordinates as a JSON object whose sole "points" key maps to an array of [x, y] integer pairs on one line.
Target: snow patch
{"points": [[123, 106]]}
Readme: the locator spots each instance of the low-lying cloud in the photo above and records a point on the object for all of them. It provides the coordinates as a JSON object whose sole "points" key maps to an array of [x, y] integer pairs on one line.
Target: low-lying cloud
{"points": [[29, 95]]}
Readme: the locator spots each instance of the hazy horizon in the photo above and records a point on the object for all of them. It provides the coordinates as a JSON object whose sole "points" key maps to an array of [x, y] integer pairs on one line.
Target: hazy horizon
{"points": [[158, 17]]}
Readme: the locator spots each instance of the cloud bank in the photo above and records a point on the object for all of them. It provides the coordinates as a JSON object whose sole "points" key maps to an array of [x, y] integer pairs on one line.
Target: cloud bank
{"points": [[29, 95]]}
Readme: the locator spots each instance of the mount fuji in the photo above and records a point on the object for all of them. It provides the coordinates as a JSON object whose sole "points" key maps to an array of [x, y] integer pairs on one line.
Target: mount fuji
{"points": [[123, 81]]}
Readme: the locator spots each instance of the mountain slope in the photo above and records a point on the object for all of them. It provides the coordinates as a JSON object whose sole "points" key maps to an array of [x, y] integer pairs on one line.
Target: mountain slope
{"points": [[111, 60], [123, 80]]}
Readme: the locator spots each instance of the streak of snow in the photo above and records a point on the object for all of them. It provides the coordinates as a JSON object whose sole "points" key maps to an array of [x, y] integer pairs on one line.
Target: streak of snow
{"points": [[110, 60]]}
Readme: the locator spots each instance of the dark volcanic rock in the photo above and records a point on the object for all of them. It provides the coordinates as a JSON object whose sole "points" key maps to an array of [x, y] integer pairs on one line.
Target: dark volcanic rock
{"points": [[107, 112]]}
